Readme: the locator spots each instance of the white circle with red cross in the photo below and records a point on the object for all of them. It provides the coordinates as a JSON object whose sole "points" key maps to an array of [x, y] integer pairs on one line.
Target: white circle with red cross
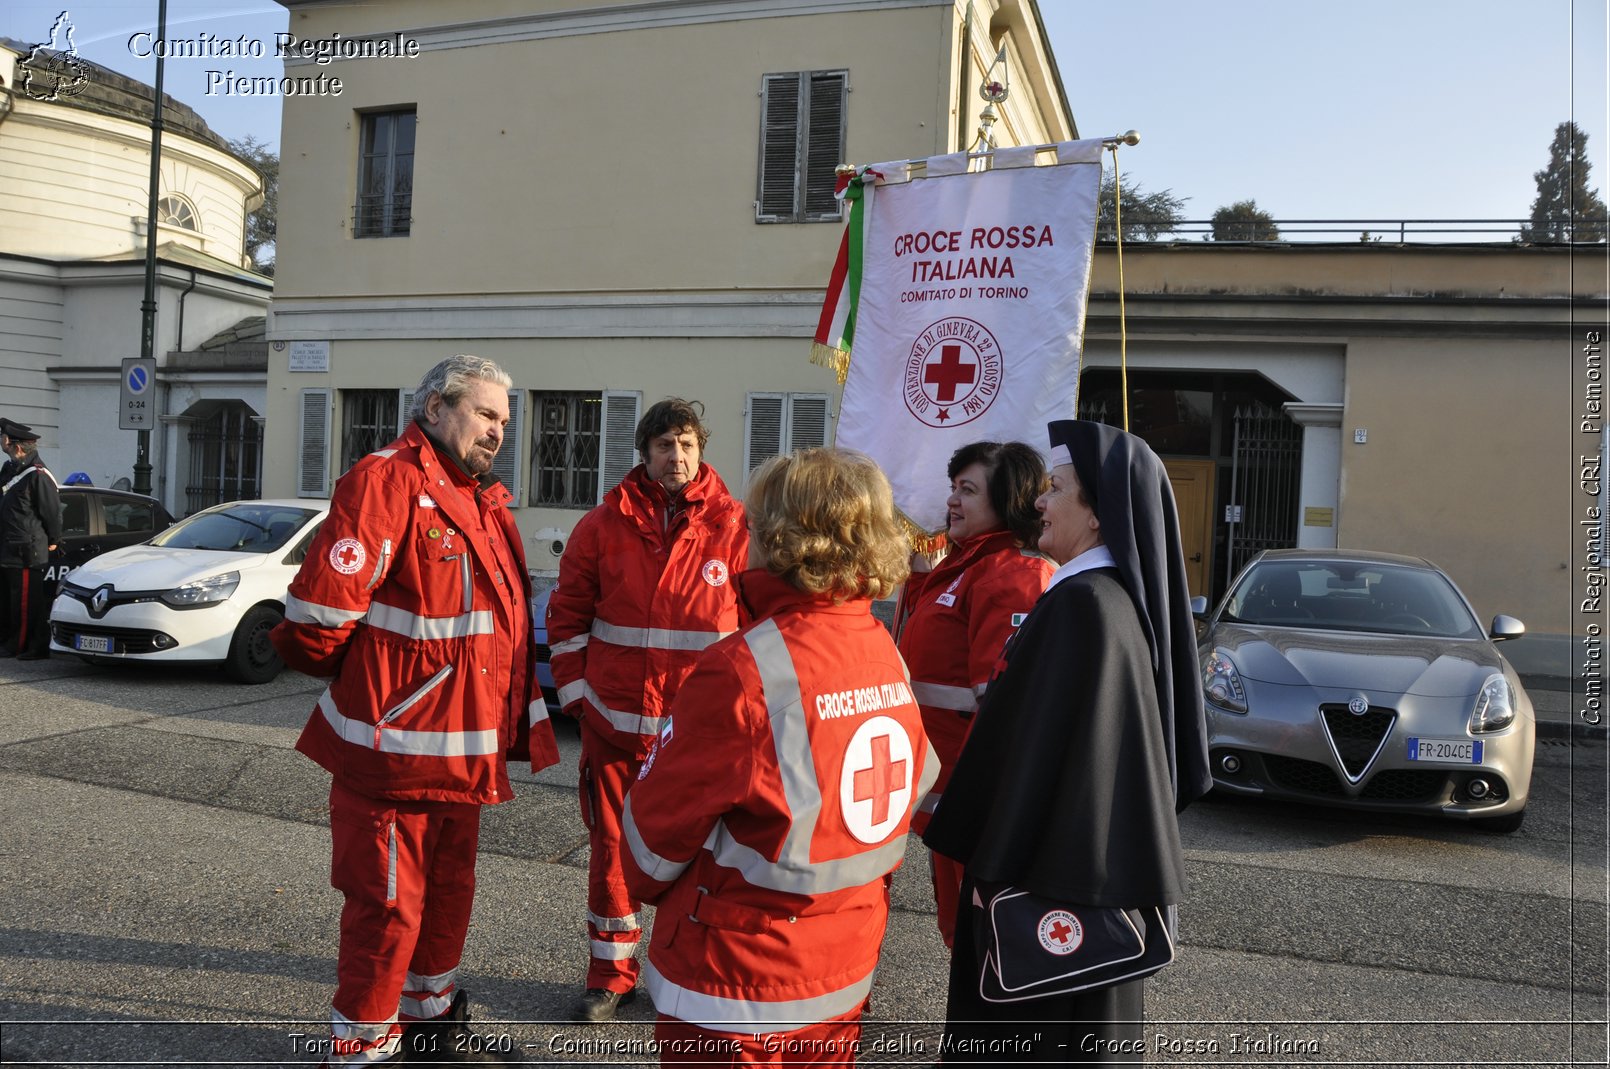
{"points": [[1060, 932], [714, 572], [877, 781], [347, 556], [953, 372]]}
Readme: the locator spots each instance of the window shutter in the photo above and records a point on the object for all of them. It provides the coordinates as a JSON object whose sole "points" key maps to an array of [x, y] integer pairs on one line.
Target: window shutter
{"points": [[405, 402], [506, 466], [807, 421], [763, 429], [824, 147], [779, 148], [313, 449], [619, 455]]}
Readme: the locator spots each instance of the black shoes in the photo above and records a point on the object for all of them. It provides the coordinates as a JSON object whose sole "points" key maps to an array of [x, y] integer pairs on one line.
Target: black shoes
{"points": [[598, 1005], [31, 656], [447, 1040]]}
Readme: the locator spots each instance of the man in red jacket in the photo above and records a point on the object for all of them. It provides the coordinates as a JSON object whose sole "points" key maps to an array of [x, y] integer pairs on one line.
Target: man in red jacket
{"points": [[644, 586], [414, 600]]}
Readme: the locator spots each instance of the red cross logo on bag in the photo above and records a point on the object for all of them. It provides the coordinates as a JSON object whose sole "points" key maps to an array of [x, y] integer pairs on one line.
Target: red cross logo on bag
{"points": [[1060, 932]]}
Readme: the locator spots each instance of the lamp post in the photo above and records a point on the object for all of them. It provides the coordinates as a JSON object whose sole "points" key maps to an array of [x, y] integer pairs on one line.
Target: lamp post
{"points": [[148, 306]]}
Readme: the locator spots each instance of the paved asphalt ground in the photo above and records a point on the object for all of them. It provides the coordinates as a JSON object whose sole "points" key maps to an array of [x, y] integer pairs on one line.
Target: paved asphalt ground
{"points": [[164, 873]]}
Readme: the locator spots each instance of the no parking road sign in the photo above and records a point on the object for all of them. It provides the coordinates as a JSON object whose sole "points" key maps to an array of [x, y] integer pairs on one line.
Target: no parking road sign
{"points": [[137, 407]]}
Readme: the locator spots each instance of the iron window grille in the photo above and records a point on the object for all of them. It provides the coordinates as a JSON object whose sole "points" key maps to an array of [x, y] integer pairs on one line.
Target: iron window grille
{"points": [[566, 439], [226, 458], [368, 422]]}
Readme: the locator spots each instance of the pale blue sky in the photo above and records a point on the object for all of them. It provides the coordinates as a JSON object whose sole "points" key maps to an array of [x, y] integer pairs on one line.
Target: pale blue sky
{"points": [[1370, 109]]}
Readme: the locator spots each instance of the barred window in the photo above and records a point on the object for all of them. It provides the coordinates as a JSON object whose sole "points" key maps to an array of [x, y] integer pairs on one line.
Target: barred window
{"points": [[566, 437], [226, 457], [385, 174], [368, 422]]}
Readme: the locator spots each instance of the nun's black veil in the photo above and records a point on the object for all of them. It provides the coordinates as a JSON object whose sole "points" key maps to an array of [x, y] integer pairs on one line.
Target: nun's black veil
{"points": [[1128, 489]]}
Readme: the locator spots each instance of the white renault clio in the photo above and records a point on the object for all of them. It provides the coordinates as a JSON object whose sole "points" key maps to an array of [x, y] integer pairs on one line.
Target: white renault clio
{"points": [[207, 589]]}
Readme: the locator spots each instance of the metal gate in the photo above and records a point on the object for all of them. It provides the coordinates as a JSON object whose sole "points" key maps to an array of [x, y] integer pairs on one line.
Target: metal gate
{"points": [[1265, 473], [226, 459]]}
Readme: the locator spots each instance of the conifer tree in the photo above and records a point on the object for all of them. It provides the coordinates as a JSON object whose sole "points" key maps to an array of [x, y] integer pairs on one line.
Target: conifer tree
{"points": [[1566, 210]]}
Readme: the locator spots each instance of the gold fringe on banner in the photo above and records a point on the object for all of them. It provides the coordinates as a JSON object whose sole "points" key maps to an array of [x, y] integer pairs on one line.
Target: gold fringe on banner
{"points": [[829, 357], [919, 539]]}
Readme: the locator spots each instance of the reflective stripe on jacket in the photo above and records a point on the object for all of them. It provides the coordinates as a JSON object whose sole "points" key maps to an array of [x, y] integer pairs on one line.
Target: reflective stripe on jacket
{"points": [[953, 624], [414, 597], [636, 605], [770, 812]]}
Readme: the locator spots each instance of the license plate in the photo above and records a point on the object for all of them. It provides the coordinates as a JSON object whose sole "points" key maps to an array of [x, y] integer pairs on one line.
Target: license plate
{"points": [[1446, 751], [92, 643]]}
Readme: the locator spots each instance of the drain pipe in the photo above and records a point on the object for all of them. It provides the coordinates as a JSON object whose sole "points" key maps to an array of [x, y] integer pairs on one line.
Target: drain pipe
{"points": [[178, 340]]}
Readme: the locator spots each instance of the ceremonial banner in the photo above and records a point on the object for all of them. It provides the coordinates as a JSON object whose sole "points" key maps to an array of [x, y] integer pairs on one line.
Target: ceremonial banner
{"points": [[964, 296]]}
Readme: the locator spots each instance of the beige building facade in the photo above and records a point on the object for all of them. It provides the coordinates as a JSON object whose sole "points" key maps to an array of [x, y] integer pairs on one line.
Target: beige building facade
{"points": [[617, 202], [625, 202]]}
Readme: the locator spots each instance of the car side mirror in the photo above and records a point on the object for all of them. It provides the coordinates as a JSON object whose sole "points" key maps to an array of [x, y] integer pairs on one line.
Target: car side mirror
{"points": [[1506, 627], [1199, 606]]}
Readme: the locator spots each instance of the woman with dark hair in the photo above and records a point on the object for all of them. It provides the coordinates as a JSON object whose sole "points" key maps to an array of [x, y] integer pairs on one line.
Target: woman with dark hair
{"points": [[1063, 805], [775, 804], [954, 619]]}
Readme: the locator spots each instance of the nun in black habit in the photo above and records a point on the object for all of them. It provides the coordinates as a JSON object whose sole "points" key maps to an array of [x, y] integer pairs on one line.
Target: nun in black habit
{"points": [[1089, 741]]}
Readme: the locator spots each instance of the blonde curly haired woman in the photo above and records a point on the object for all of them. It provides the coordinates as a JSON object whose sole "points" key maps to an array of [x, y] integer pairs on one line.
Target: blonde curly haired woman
{"points": [[772, 811]]}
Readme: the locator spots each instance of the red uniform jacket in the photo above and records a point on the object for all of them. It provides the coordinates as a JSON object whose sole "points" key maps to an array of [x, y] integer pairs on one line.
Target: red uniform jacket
{"points": [[414, 597], [770, 813], [954, 623], [636, 603]]}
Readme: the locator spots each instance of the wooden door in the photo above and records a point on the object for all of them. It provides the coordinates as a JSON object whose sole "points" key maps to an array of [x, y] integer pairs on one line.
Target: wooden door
{"points": [[1193, 496]]}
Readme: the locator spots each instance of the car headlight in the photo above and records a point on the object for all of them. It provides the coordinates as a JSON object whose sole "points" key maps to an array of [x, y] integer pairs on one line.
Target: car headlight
{"points": [[1221, 683], [1495, 705], [208, 591]]}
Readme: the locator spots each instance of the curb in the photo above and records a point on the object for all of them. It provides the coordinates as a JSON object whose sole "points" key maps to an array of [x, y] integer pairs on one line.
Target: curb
{"points": [[1574, 730]]}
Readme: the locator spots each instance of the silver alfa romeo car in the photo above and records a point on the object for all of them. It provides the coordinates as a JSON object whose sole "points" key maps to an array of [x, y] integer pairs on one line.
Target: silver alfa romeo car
{"points": [[1365, 680]]}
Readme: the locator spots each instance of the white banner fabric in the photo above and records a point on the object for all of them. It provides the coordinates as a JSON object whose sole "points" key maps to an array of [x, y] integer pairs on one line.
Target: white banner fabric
{"points": [[970, 318]]}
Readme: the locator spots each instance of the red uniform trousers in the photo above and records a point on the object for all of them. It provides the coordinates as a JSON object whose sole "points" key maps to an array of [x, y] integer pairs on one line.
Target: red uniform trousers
{"points": [[613, 927], [830, 1042], [947, 731], [407, 870]]}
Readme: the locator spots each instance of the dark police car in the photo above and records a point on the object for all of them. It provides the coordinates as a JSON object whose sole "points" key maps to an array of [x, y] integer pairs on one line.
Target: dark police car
{"points": [[96, 521]]}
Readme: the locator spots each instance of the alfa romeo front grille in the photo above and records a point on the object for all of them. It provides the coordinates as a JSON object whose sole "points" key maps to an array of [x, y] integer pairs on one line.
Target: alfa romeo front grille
{"points": [[1357, 738]]}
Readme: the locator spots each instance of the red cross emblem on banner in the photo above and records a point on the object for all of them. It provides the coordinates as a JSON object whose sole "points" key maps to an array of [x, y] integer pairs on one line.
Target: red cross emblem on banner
{"points": [[878, 779], [948, 373], [953, 373]]}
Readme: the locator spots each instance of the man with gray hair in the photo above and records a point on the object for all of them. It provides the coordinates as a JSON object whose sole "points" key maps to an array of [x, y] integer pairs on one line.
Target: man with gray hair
{"points": [[414, 599]]}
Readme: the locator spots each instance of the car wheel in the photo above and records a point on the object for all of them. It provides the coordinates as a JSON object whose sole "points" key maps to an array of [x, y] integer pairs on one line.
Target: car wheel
{"points": [[1501, 825], [252, 657]]}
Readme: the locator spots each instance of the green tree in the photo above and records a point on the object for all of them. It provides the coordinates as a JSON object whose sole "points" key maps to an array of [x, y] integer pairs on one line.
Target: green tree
{"points": [[262, 223], [1146, 216], [1566, 210], [1244, 221]]}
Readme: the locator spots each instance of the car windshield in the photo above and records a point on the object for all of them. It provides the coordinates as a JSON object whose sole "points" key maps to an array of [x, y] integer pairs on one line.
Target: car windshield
{"points": [[1350, 596], [244, 527]]}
